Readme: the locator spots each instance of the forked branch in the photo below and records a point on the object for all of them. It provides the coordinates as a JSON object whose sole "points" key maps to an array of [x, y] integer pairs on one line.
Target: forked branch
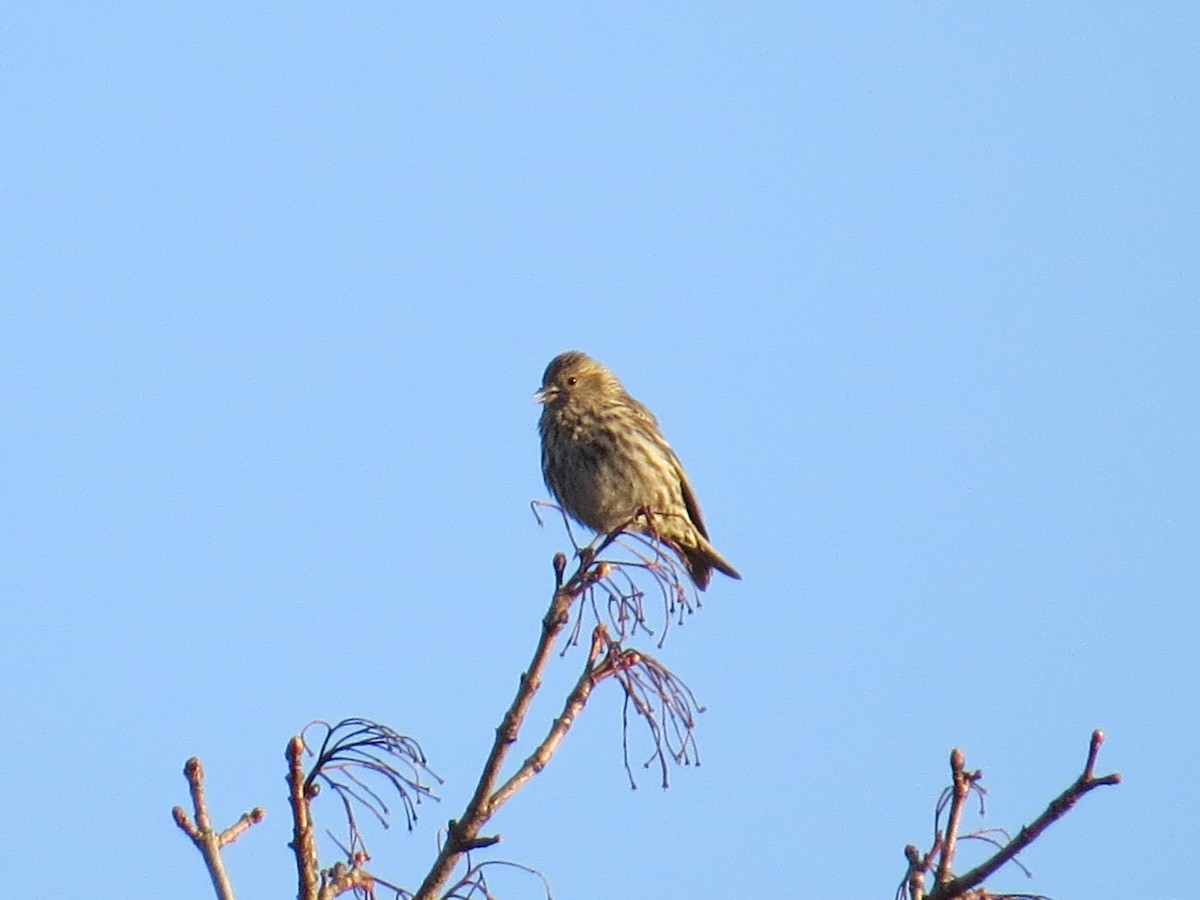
{"points": [[362, 762], [941, 856], [463, 833], [208, 840]]}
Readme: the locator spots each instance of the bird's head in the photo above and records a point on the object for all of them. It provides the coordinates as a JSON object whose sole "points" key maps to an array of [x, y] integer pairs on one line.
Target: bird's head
{"points": [[573, 377]]}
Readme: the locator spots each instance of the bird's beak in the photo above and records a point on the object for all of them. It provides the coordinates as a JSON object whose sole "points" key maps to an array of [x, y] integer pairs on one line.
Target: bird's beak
{"points": [[544, 394]]}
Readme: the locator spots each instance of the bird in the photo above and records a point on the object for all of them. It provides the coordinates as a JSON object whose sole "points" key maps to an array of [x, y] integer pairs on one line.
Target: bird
{"points": [[607, 464]]}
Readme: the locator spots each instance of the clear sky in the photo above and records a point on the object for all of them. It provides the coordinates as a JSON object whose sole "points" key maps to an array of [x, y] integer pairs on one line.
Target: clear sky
{"points": [[911, 287]]}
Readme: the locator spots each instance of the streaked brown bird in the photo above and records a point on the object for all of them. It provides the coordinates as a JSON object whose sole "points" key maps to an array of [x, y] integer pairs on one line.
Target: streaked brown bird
{"points": [[605, 461]]}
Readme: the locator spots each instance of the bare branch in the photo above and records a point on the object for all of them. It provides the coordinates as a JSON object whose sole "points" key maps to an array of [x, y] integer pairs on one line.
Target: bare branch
{"points": [[968, 886], [475, 884], [576, 700], [463, 833], [959, 790], [918, 865], [342, 878], [665, 703], [304, 842], [628, 549], [359, 760], [357, 755], [207, 840]]}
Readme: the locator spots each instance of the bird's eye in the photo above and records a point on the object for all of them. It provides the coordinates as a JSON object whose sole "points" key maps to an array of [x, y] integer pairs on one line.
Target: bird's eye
{"points": [[571, 380]]}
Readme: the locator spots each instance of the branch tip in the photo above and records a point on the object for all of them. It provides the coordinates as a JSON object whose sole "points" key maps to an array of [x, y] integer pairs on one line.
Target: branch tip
{"points": [[1093, 751], [958, 760], [193, 770]]}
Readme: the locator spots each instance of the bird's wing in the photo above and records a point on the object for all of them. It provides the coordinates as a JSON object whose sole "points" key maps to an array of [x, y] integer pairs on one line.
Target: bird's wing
{"points": [[689, 496]]}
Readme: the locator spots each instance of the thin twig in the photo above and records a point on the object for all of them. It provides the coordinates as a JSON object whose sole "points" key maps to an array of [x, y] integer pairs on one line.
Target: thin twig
{"points": [[1059, 806], [914, 878], [474, 882], [208, 840], [664, 703], [576, 700], [358, 760], [304, 842], [463, 834], [959, 790], [342, 878]]}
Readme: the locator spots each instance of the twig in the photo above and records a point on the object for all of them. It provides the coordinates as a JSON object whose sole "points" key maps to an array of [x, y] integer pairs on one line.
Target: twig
{"points": [[961, 787], [474, 882], [644, 550], [463, 834], [207, 840], [359, 761], [576, 700], [914, 878], [342, 878], [304, 842], [1059, 806], [664, 703]]}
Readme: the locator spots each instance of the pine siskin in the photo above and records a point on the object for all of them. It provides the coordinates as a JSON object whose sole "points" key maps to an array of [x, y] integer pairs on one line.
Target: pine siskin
{"points": [[605, 460]]}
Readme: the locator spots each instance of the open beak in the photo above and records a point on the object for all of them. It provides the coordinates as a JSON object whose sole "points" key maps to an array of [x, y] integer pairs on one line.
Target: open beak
{"points": [[545, 394]]}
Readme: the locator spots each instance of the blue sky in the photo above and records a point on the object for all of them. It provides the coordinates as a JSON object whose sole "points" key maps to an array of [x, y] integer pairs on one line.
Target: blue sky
{"points": [[912, 289]]}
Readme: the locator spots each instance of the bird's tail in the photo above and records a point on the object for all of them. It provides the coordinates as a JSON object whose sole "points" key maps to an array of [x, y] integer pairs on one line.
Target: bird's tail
{"points": [[702, 559]]}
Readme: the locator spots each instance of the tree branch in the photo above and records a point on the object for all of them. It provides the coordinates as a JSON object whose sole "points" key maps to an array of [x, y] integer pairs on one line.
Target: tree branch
{"points": [[342, 878], [206, 839], [576, 700], [1059, 806], [304, 842], [914, 878], [961, 787], [463, 834]]}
